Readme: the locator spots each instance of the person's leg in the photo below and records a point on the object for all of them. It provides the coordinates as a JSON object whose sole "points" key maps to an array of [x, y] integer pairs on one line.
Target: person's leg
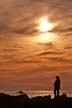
{"points": [[58, 93], [55, 93]]}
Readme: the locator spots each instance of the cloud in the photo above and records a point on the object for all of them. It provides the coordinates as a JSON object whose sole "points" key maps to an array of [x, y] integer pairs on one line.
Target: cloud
{"points": [[13, 59], [68, 47], [50, 53], [62, 30], [56, 3], [60, 60], [4, 27], [19, 16], [9, 50], [49, 44], [27, 63], [26, 30]]}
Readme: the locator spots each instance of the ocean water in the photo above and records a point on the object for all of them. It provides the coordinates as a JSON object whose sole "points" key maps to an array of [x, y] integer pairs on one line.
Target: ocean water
{"points": [[38, 93], [45, 93]]}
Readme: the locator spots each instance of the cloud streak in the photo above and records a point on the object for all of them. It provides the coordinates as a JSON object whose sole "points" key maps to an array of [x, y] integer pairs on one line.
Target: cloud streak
{"points": [[26, 60]]}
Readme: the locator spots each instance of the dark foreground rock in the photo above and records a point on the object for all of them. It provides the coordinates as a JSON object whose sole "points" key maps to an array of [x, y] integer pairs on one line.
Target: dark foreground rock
{"points": [[23, 101]]}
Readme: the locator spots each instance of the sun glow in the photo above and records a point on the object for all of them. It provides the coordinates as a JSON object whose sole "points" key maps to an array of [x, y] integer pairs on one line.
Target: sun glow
{"points": [[46, 37], [45, 25]]}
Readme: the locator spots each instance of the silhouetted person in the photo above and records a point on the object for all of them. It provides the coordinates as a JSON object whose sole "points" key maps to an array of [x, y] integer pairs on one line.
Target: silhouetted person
{"points": [[57, 86]]}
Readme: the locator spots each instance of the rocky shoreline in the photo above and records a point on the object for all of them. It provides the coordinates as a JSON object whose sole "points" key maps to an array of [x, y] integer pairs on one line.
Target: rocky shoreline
{"points": [[23, 101]]}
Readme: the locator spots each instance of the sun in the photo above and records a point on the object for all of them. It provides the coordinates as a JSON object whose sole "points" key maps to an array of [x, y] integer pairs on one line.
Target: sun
{"points": [[45, 25]]}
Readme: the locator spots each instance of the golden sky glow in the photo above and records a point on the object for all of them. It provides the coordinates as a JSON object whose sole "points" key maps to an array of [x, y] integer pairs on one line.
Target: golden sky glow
{"points": [[35, 44], [47, 37]]}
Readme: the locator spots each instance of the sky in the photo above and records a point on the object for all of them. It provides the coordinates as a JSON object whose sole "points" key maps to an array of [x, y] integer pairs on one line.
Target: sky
{"points": [[28, 61]]}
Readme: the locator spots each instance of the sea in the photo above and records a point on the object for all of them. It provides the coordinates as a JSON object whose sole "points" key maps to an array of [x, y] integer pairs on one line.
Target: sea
{"points": [[38, 93]]}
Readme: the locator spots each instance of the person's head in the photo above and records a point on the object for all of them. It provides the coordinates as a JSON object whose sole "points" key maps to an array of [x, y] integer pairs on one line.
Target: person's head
{"points": [[57, 77]]}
